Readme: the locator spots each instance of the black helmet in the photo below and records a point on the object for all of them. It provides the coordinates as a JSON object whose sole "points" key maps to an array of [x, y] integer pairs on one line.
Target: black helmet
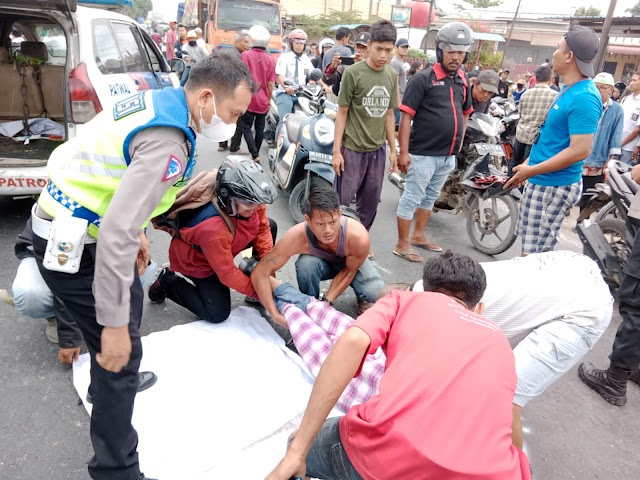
{"points": [[240, 178], [454, 36]]}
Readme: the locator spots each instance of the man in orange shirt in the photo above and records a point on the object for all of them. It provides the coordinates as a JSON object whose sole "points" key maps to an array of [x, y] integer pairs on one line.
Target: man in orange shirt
{"points": [[210, 238], [444, 408]]}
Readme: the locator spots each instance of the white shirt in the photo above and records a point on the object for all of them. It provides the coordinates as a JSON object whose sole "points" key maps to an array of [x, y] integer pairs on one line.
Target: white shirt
{"points": [[286, 65], [526, 292], [631, 106]]}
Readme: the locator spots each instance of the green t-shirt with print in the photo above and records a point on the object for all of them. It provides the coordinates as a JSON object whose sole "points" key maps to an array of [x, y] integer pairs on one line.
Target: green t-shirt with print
{"points": [[368, 94]]}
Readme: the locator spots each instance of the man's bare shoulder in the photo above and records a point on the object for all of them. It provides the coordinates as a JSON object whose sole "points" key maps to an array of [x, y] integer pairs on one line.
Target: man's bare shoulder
{"points": [[294, 241], [358, 240]]}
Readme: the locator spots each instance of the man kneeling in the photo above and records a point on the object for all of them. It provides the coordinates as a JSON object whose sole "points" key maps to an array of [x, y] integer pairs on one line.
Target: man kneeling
{"points": [[330, 247], [441, 412]]}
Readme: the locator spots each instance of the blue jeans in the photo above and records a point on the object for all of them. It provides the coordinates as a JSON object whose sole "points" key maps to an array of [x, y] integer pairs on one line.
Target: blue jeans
{"points": [[285, 104], [423, 183], [287, 293], [310, 271], [327, 458], [30, 292]]}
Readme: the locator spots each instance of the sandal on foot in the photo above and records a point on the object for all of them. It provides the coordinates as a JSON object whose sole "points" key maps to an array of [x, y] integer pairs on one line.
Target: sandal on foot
{"points": [[409, 256]]}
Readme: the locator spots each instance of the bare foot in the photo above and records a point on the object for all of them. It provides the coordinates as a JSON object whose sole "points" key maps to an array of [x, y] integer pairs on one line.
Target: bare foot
{"points": [[425, 244], [409, 256]]}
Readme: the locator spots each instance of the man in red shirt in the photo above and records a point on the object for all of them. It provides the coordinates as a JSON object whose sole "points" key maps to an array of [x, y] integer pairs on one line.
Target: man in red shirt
{"points": [[263, 71], [170, 40], [444, 409], [210, 238]]}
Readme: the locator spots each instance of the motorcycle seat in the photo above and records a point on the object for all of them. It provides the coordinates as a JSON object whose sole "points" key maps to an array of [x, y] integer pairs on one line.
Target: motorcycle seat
{"points": [[293, 123]]}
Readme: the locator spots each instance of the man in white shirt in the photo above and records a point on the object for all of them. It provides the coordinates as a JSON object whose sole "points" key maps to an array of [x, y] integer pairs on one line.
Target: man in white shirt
{"points": [[201, 42], [552, 320], [631, 128], [293, 66]]}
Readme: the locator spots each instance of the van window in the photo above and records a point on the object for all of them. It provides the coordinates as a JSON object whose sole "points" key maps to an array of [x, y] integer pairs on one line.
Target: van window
{"points": [[153, 58], [56, 42], [130, 43], [105, 48]]}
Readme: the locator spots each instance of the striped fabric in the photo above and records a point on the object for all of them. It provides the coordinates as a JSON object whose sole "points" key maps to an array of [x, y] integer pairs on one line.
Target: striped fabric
{"points": [[314, 334]]}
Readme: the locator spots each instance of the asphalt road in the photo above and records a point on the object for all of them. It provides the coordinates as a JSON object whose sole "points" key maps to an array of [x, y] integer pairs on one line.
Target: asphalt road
{"points": [[44, 432]]}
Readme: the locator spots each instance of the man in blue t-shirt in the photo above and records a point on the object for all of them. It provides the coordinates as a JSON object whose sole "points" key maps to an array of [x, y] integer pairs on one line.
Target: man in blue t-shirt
{"points": [[554, 168]]}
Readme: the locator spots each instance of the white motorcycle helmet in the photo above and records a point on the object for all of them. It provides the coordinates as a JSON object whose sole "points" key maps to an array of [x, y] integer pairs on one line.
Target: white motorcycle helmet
{"points": [[326, 41], [260, 36]]}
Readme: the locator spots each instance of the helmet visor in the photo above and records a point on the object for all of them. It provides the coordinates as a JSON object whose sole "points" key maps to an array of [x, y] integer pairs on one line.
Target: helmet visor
{"points": [[452, 47]]}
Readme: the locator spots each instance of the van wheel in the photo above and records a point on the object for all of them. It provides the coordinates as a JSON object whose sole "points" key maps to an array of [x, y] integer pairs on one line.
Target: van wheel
{"points": [[296, 199]]}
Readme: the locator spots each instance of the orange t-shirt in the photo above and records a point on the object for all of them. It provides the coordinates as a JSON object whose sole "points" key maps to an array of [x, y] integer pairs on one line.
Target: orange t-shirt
{"points": [[444, 409]]}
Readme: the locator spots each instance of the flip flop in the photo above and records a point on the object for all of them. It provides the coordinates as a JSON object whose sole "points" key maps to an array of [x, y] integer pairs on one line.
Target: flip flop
{"points": [[407, 256], [432, 247]]}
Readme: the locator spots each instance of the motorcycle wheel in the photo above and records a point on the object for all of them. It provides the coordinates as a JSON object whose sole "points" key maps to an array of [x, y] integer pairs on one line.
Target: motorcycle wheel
{"points": [[296, 198], [608, 211], [497, 234], [615, 231]]}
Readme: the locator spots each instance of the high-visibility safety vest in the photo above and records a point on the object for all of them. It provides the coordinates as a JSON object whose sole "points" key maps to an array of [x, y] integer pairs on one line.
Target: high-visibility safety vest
{"points": [[85, 172]]}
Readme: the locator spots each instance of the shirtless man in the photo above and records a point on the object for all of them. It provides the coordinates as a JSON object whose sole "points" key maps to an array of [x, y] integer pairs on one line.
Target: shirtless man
{"points": [[330, 247]]}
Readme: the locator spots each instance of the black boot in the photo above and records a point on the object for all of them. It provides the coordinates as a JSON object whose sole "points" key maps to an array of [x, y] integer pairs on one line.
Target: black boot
{"points": [[635, 377], [611, 383]]}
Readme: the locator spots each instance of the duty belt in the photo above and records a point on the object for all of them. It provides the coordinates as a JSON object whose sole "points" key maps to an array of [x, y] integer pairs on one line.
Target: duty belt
{"points": [[74, 207]]}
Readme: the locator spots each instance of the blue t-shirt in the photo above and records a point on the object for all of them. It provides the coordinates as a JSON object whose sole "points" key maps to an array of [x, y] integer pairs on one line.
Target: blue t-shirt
{"points": [[576, 112]]}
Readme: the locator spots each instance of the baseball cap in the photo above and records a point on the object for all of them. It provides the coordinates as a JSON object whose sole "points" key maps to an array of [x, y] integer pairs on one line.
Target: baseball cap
{"points": [[604, 78], [363, 38], [198, 31], [402, 42], [583, 42], [528, 74], [520, 81], [488, 80], [192, 34]]}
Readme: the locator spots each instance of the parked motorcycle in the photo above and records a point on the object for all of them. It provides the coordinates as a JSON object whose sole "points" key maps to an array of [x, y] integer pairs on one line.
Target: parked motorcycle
{"points": [[308, 104], [303, 153], [609, 240]]}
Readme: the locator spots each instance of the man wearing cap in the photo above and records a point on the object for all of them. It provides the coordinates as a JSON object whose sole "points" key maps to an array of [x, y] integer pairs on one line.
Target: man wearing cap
{"points": [[631, 129], [485, 87], [518, 91], [170, 40], [529, 81], [402, 49], [533, 107], [554, 168], [332, 75], [200, 38], [503, 85], [606, 143]]}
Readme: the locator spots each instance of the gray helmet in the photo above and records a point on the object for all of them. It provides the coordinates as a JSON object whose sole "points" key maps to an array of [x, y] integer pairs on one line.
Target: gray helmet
{"points": [[240, 178], [454, 36]]}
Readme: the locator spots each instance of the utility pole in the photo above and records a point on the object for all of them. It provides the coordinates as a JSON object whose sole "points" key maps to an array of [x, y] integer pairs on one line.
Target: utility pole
{"points": [[604, 37], [431, 12], [506, 47]]}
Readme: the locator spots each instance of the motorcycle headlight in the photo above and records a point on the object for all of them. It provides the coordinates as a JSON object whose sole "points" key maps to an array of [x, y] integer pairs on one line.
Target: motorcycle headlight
{"points": [[487, 128], [324, 130]]}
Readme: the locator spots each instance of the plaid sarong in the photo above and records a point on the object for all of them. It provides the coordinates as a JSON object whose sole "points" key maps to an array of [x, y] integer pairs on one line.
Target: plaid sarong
{"points": [[314, 334], [542, 211]]}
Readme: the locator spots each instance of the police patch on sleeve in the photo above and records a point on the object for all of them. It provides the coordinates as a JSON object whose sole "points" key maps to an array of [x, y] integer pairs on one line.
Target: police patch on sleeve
{"points": [[174, 169]]}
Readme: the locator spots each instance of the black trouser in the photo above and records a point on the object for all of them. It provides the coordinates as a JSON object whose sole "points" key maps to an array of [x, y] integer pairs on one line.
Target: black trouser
{"points": [[114, 438], [587, 183], [208, 298], [248, 120], [626, 347], [235, 140], [520, 154]]}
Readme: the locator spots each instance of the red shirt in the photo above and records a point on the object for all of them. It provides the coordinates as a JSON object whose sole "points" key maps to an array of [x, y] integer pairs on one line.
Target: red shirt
{"points": [[444, 410], [263, 71], [219, 249], [170, 40]]}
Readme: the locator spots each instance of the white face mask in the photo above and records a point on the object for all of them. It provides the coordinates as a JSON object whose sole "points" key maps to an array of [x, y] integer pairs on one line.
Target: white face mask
{"points": [[217, 130]]}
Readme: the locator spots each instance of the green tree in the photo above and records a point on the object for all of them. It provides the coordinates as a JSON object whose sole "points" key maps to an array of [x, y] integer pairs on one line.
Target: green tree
{"points": [[483, 3], [590, 11], [635, 10], [139, 9], [319, 26]]}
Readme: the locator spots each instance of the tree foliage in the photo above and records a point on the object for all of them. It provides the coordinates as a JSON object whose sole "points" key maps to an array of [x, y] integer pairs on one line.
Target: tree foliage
{"points": [[590, 11], [483, 3], [139, 9], [635, 10], [319, 26]]}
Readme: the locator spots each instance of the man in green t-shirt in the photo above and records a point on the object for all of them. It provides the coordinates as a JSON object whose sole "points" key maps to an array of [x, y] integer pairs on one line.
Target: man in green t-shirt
{"points": [[368, 95]]}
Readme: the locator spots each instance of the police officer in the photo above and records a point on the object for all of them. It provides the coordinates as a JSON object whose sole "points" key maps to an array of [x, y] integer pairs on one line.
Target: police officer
{"points": [[127, 168], [292, 69]]}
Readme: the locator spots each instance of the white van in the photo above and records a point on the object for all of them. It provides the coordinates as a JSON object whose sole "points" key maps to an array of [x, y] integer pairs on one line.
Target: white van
{"points": [[60, 65]]}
